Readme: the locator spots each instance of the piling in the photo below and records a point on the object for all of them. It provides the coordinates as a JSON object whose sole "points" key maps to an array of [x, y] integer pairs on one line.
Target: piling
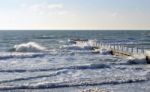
{"points": [[123, 50], [148, 59]]}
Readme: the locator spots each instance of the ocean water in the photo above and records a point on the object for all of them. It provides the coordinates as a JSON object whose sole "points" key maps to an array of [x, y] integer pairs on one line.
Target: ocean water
{"points": [[46, 61]]}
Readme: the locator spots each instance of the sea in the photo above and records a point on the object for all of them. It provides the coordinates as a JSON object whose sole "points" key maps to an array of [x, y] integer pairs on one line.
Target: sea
{"points": [[48, 61]]}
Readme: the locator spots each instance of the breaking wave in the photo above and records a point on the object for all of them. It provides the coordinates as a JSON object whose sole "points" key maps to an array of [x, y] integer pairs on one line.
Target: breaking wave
{"points": [[148, 53], [7, 55], [74, 83], [28, 47], [81, 67], [136, 61], [81, 45]]}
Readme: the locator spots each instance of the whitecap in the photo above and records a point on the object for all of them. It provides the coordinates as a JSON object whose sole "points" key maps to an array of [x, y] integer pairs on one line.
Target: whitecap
{"points": [[81, 45], [8, 55], [28, 47], [137, 59]]}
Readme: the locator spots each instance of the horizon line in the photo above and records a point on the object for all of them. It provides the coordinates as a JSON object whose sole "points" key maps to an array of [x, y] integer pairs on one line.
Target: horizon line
{"points": [[74, 29]]}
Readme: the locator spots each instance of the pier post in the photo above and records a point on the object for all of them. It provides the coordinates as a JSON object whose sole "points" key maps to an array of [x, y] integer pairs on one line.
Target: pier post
{"points": [[137, 50], [117, 46], [101, 44], [121, 48], [114, 47], [132, 50], [148, 59], [127, 49], [143, 51], [109, 46]]}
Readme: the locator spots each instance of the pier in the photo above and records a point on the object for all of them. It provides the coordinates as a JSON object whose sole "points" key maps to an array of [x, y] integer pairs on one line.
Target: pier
{"points": [[117, 49], [124, 50]]}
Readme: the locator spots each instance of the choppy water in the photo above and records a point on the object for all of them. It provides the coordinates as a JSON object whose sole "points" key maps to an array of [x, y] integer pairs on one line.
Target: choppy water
{"points": [[46, 61]]}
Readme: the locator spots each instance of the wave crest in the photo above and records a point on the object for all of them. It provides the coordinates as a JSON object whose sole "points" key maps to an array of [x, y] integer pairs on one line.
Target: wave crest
{"points": [[79, 44], [7, 55], [28, 47]]}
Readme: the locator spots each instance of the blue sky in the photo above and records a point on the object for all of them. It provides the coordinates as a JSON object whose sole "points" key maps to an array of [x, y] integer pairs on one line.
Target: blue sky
{"points": [[74, 14]]}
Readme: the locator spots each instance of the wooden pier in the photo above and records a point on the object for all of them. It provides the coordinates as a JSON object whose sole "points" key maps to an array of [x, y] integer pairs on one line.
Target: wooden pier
{"points": [[124, 51], [116, 49]]}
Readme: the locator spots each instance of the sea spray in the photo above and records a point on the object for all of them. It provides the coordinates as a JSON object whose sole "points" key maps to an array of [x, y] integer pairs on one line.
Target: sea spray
{"points": [[137, 59], [80, 44], [147, 53], [68, 70], [28, 47]]}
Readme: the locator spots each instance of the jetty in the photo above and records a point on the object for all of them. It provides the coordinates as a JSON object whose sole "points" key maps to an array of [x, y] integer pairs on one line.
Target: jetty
{"points": [[123, 50], [117, 49]]}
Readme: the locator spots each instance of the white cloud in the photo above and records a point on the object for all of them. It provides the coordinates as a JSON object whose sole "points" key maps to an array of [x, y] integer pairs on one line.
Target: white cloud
{"points": [[45, 9], [36, 16], [55, 6]]}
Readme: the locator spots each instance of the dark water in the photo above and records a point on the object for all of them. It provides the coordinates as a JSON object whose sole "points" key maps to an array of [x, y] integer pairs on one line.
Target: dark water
{"points": [[48, 62]]}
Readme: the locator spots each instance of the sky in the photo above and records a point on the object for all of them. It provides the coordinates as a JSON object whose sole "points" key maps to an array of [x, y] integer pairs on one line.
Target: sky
{"points": [[74, 14]]}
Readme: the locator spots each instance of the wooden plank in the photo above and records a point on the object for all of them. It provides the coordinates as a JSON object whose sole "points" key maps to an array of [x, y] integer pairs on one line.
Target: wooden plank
{"points": [[120, 49], [121, 53]]}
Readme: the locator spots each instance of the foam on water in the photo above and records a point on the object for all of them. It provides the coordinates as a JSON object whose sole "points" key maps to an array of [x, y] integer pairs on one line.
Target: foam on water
{"points": [[137, 59], [8, 55], [81, 45], [32, 66], [28, 47], [74, 78], [147, 53], [84, 47], [132, 60], [104, 52]]}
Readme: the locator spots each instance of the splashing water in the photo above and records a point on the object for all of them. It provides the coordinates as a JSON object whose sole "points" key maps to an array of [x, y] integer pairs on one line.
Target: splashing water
{"points": [[33, 66], [29, 47]]}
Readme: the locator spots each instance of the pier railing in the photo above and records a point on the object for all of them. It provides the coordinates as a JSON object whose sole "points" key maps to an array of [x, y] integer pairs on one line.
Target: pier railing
{"points": [[120, 48], [124, 50]]}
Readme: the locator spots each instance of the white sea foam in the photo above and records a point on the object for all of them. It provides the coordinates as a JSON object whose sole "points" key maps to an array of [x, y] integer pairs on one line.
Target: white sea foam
{"points": [[29, 47], [81, 45], [137, 59], [8, 55], [75, 78], [147, 53], [104, 51], [89, 43]]}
